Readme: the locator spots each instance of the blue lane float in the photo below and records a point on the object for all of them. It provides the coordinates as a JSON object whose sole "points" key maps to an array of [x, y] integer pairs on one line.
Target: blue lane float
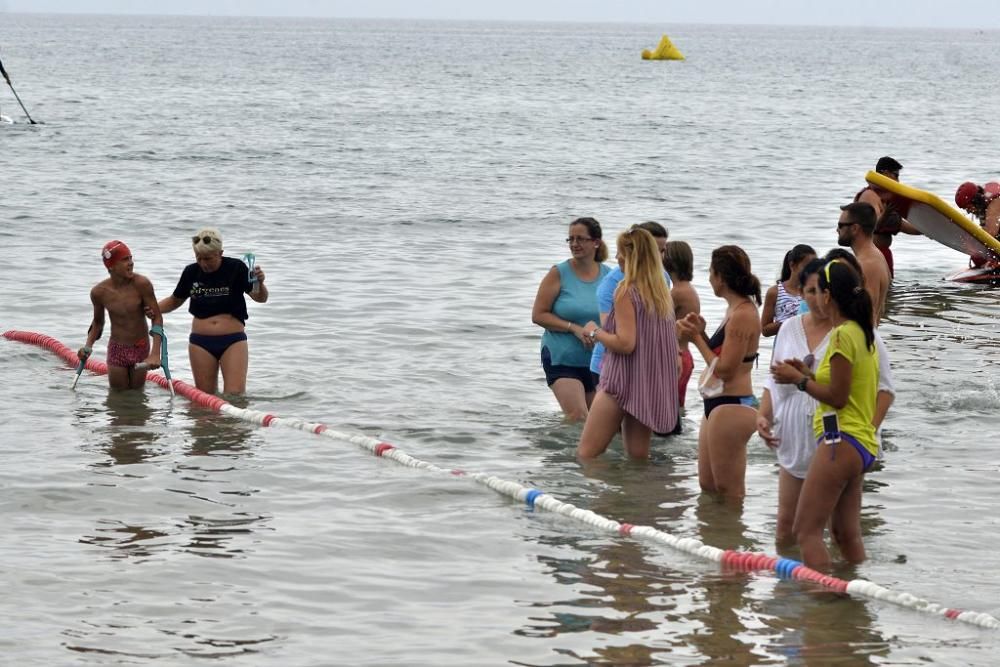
{"points": [[785, 568]]}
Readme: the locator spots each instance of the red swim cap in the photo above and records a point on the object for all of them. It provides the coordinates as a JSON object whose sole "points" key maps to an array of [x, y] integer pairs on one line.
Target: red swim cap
{"points": [[113, 252], [966, 191]]}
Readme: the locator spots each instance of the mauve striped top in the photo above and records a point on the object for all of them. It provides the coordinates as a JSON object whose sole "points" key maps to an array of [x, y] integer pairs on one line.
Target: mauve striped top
{"points": [[645, 382]]}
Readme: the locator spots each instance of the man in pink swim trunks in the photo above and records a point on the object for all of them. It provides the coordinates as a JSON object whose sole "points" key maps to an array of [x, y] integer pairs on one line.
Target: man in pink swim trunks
{"points": [[125, 295]]}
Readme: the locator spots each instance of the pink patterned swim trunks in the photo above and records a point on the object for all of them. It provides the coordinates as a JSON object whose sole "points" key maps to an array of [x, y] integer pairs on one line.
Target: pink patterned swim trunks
{"points": [[126, 355]]}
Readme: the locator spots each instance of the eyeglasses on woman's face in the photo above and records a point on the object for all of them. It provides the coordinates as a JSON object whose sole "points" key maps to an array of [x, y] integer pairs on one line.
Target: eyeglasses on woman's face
{"points": [[578, 239], [207, 240]]}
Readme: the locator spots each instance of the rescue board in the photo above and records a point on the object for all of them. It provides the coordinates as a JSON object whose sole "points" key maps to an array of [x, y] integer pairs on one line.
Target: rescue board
{"points": [[940, 221]]}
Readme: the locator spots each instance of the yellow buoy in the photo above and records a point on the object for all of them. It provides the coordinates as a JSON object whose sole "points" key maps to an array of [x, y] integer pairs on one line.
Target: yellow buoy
{"points": [[665, 50]]}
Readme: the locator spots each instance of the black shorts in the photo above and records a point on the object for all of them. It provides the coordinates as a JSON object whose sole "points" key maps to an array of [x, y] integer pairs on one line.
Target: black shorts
{"points": [[554, 372]]}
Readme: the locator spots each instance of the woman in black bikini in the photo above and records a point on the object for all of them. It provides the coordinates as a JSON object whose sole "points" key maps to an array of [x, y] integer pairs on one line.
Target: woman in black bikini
{"points": [[731, 407], [216, 286]]}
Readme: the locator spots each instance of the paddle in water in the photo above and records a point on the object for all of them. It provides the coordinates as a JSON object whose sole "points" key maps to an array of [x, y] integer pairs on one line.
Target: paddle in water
{"points": [[18, 98]]}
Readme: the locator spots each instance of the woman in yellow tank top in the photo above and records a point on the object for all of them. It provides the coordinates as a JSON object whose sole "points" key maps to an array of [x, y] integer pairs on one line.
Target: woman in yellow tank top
{"points": [[845, 384]]}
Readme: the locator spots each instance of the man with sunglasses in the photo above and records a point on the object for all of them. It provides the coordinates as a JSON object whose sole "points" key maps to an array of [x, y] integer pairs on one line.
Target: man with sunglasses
{"points": [[889, 221], [854, 230]]}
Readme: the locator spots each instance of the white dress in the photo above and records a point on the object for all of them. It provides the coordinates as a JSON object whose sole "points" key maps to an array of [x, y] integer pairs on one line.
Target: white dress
{"points": [[793, 409], [884, 381]]}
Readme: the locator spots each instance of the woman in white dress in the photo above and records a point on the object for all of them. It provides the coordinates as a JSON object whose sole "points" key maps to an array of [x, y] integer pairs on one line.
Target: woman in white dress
{"points": [[785, 416]]}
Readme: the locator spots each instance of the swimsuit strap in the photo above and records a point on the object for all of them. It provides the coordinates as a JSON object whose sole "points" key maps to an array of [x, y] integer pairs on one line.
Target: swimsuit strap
{"points": [[718, 339]]}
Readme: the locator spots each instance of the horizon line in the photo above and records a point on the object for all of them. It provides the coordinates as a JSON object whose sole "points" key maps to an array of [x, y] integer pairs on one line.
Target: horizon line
{"points": [[976, 30]]}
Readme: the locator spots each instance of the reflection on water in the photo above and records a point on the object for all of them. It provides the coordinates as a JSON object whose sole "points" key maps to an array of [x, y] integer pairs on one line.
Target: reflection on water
{"points": [[640, 605], [133, 437], [640, 595], [211, 536], [720, 523], [212, 434], [197, 508], [124, 540], [626, 593], [130, 437], [717, 619], [107, 640], [811, 626], [872, 523], [217, 451]]}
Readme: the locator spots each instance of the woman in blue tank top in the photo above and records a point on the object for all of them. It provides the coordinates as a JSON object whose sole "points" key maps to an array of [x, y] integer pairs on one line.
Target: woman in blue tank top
{"points": [[566, 301]]}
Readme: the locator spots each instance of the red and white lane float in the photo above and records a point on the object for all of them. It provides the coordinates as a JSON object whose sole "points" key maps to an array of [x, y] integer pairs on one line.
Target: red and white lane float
{"points": [[785, 568]]}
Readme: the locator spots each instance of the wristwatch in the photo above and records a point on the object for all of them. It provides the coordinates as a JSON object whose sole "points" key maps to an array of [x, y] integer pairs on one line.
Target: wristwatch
{"points": [[801, 384]]}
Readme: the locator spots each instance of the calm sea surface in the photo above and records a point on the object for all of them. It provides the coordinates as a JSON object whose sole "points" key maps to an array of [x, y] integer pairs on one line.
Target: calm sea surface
{"points": [[405, 186]]}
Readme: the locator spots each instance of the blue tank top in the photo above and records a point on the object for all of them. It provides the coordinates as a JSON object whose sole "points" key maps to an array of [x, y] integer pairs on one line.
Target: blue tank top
{"points": [[605, 302], [576, 303]]}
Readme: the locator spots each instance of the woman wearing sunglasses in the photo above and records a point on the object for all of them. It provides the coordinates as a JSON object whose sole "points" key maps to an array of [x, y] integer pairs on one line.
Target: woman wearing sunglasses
{"points": [[216, 286], [785, 416], [844, 385], [566, 301]]}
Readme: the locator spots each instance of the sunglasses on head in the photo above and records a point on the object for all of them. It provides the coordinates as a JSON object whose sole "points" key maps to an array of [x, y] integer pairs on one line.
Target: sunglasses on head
{"points": [[207, 240]]}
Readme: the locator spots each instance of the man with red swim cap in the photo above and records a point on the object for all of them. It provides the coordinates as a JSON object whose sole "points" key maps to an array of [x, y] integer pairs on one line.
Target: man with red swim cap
{"points": [[983, 202], [125, 295], [113, 251]]}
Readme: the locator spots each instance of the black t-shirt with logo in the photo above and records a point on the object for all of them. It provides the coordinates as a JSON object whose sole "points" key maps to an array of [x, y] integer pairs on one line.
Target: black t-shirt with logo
{"points": [[217, 293]]}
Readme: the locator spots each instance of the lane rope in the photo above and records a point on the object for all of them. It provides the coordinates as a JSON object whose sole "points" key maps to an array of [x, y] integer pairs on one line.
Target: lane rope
{"points": [[784, 568]]}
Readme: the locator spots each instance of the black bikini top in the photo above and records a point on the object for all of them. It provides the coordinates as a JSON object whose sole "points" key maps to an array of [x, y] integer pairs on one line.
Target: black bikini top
{"points": [[719, 338]]}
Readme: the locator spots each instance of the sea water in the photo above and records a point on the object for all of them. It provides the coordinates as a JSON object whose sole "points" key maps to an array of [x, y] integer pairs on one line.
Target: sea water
{"points": [[405, 186]]}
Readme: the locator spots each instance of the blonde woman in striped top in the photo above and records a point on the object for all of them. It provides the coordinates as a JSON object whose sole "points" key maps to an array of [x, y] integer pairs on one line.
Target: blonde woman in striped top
{"points": [[638, 390]]}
